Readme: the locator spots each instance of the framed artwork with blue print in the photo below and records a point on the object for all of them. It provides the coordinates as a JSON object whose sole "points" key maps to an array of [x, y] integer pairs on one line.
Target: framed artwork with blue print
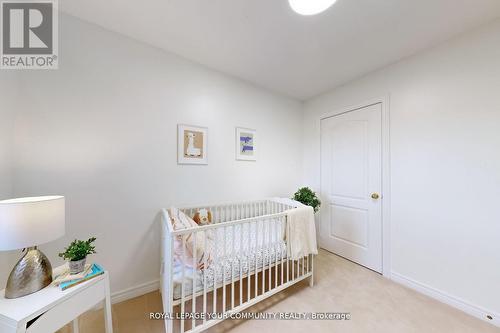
{"points": [[246, 144]]}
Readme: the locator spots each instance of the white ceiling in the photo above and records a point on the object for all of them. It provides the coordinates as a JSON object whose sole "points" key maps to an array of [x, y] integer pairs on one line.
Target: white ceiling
{"points": [[264, 42]]}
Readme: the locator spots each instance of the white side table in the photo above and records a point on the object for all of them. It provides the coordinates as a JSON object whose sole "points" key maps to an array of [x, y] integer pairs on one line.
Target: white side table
{"points": [[50, 308]]}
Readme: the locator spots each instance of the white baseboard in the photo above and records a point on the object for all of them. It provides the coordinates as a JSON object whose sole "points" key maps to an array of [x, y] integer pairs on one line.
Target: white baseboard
{"points": [[443, 297], [136, 291]]}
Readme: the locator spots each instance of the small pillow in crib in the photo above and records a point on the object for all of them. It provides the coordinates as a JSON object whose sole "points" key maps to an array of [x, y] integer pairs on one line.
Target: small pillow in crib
{"points": [[181, 220], [184, 248], [203, 217]]}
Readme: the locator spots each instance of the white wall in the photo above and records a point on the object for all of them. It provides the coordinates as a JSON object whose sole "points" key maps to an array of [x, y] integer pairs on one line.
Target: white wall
{"points": [[445, 144], [9, 88], [102, 130], [10, 102]]}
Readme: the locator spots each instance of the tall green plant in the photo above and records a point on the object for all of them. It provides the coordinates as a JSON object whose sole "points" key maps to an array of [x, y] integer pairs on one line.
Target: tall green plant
{"points": [[306, 196], [78, 250]]}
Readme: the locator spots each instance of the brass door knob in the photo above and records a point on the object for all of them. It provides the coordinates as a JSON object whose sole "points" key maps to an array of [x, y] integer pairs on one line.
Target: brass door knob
{"points": [[375, 196]]}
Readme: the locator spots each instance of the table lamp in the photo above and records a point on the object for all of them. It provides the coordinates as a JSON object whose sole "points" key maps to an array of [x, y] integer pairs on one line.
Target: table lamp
{"points": [[24, 224]]}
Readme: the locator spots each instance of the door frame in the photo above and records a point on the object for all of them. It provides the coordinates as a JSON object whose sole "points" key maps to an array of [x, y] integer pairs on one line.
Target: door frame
{"points": [[386, 174]]}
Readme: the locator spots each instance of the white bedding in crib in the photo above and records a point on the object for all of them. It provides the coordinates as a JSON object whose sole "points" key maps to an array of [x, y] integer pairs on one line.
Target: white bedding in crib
{"points": [[247, 246]]}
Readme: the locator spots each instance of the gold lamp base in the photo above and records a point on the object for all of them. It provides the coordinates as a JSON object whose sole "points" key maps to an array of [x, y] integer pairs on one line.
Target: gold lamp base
{"points": [[32, 273]]}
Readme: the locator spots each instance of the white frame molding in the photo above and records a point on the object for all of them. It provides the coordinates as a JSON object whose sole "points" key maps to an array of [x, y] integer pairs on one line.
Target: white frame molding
{"points": [[180, 144], [386, 172], [239, 156]]}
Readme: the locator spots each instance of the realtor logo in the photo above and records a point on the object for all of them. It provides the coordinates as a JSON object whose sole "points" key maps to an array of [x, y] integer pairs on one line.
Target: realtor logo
{"points": [[29, 34]]}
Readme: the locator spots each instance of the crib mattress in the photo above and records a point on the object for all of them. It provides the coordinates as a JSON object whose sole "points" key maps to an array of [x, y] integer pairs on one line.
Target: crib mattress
{"points": [[225, 268]]}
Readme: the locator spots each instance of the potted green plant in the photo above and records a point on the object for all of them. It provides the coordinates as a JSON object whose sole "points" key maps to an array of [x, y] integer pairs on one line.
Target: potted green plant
{"points": [[307, 196], [76, 254]]}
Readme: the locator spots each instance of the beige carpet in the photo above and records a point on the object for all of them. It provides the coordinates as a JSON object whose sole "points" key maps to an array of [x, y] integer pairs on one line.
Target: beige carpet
{"points": [[375, 304]]}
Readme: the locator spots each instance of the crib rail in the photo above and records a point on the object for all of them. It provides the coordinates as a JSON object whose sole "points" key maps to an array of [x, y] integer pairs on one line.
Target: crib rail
{"points": [[227, 266], [240, 210]]}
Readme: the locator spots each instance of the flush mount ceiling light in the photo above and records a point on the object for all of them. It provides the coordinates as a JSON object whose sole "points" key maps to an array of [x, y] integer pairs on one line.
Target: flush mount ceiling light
{"points": [[310, 7]]}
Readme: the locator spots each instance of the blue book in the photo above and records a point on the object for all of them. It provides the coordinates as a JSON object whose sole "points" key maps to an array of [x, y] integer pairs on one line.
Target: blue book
{"points": [[95, 271]]}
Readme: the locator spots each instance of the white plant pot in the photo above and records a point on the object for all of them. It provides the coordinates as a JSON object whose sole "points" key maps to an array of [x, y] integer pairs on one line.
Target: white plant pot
{"points": [[76, 267]]}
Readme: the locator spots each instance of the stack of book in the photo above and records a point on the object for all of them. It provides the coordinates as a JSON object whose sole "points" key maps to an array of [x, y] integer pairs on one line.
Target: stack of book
{"points": [[65, 280]]}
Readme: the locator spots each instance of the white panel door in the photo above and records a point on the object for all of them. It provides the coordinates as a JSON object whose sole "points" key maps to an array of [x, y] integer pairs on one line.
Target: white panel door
{"points": [[351, 183]]}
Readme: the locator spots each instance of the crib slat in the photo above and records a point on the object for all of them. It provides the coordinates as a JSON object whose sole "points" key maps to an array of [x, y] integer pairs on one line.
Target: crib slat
{"points": [[241, 264], [309, 263], [216, 262], [312, 270], [293, 270], [277, 249], [269, 246], [281, 254], [195, 271], [263, 257], [248, 263], [233, 255], [205, 278], [255, 255], [183, 280], [306, 268], [224, 261]]}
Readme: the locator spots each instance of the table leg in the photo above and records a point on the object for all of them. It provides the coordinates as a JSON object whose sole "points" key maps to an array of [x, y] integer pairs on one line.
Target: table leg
{"points": [[108, 321], [76, 329]]}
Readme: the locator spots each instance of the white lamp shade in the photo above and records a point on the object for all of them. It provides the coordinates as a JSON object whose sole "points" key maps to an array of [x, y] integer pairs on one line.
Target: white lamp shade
{"points": [[26, 222]]}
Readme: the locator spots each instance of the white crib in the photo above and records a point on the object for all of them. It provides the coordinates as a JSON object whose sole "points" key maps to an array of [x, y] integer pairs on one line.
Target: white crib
{"points": [[248, 263]]}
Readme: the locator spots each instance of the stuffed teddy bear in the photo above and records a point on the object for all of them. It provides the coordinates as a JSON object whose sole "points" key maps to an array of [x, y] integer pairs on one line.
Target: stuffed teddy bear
{"points": [[203, 216]]}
